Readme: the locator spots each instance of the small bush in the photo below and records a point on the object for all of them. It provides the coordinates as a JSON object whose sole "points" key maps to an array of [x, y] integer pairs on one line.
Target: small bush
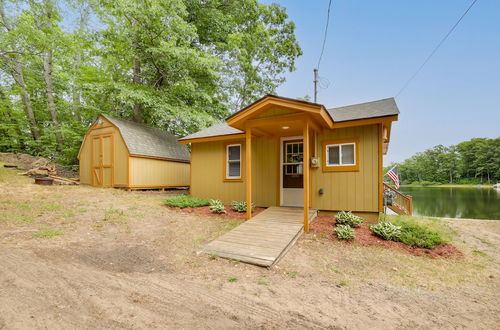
{"points": [[387, 230], [347, 218], [186, 201], [240, 206], [344, 232], [217, 207], [418, 235]]}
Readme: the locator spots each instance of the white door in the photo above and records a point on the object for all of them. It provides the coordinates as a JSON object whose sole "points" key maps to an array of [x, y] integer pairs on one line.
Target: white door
{"points": [[292, 165]]}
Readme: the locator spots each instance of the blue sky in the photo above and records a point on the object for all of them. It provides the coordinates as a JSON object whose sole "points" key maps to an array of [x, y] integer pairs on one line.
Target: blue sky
{"points": [[373, 47]]}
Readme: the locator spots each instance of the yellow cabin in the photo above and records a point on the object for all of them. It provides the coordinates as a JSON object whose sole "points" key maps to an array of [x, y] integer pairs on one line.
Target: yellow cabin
{"points": [[285, 152], [120, 153]]}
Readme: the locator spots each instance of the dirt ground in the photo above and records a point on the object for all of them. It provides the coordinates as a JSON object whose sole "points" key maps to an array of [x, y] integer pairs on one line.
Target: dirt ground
{"points": [[82, 257]]}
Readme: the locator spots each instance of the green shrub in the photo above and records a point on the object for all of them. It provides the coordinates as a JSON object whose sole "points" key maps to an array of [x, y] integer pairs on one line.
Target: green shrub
{"points": [[183, 201], [217, 207], [387, 230], [344, 232], [240, 206], [347, 218], [418, 235]]}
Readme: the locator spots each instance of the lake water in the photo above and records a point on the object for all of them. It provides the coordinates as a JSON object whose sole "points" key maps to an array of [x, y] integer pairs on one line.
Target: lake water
{"points": [[470, 203]]}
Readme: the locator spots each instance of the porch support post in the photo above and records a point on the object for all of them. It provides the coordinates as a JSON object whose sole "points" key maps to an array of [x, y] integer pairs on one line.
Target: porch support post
{"points": [[248, 169], [306, 176]]}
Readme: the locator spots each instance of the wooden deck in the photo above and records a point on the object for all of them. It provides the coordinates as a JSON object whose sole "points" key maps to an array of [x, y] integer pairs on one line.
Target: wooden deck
{"points": [[264, 239]]}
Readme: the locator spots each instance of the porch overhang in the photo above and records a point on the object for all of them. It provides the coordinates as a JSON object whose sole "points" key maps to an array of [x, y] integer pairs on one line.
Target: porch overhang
{"points": [[298, 111]]}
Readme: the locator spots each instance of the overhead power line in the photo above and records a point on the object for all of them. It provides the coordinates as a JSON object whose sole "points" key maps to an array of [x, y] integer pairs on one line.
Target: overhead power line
{"points": [[325, 34], [436, 49], [315, 70]]}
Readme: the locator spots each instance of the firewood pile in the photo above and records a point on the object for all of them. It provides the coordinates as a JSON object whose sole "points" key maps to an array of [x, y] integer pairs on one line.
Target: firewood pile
{"points": [[51, 172], [41, 171]]}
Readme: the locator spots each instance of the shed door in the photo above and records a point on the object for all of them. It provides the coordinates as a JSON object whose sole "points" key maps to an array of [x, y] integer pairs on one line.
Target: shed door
{"points": [[102, 160]]}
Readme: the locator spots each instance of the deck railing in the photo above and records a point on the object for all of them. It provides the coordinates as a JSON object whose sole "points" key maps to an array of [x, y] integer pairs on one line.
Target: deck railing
{"points": [[401, 204]]}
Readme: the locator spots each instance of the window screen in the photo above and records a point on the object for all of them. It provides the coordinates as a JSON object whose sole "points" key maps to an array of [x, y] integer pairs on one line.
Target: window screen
{"points": [[333, 155], [233, 158], [341, 154], [348, 154]]}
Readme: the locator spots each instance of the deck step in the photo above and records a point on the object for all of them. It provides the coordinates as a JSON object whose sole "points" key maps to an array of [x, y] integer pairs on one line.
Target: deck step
{"points": [[263, 240]]}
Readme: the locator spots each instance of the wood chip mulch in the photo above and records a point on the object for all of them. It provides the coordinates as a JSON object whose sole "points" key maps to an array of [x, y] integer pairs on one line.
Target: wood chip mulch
{"points": [[205, 211], [323, 225]]}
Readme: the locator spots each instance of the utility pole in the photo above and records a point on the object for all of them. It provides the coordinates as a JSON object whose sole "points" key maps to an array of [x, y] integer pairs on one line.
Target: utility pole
{"points": [[315, 85]]}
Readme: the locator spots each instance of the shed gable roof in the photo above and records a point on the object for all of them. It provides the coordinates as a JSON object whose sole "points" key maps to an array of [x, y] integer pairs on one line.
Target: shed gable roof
{"points": [[149, 141]]}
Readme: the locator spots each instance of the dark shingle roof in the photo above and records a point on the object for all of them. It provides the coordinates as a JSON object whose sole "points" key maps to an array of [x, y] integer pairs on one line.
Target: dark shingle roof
{"points": [[149, 141], [215, 130], [380, 108]]}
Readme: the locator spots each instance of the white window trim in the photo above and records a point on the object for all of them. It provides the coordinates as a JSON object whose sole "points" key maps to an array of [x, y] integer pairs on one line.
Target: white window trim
{"points": [[232, 161], [340, 154]]}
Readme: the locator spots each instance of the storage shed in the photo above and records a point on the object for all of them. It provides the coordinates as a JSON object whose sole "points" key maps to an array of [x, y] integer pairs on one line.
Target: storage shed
{"points": [[120, 153]]}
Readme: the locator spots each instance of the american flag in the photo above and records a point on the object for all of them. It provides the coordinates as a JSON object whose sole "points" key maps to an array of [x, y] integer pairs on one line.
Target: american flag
{"points": [[393, 174]]}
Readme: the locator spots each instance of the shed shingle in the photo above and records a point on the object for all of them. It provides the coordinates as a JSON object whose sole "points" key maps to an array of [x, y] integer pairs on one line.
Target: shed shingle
{"points": [[149, 141]]}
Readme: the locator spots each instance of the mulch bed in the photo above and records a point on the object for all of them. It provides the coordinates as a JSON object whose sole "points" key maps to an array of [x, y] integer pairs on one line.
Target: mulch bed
{"points": [[205, 211], [323, 225]]}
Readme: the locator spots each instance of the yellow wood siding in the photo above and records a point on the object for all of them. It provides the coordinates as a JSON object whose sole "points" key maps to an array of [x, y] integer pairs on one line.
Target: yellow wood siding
{"points": [[85, 158], [86, 152], [265, 175], [356, 191], [275, 111], [207, 168], [120, 166], [121, 161], [155, 172]]}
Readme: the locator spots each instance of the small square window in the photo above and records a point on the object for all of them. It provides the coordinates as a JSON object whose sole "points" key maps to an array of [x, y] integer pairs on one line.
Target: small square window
{"points": [[340, 154]]}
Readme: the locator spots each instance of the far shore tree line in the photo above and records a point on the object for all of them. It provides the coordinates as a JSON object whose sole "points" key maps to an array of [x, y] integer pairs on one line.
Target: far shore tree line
{"points": [[469, 162], [180, 65]]}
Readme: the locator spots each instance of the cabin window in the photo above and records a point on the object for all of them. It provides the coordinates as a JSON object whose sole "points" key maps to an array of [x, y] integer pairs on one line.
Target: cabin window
{"points": [[233, 161], [341, 155]]}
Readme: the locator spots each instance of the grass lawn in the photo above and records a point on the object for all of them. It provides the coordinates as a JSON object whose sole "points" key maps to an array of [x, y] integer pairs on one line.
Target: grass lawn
{"points": [[77, 256]]}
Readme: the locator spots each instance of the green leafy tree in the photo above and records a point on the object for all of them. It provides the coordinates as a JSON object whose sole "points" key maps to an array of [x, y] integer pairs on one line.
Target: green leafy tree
{"points": [[179, 65]]}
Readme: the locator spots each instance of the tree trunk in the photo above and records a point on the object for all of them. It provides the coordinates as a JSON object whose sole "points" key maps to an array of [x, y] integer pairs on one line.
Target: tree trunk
{"points": [[136, 79], [75, 92], [76, 95], [18, 76], [451, 177], [47, 76]]}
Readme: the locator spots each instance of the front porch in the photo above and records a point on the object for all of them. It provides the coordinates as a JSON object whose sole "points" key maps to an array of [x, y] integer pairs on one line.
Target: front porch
{"points": [[285, 124], [264, 239]]}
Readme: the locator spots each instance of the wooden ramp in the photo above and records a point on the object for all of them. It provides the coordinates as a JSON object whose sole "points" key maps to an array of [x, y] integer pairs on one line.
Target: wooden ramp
{"points": [[264, 239]]}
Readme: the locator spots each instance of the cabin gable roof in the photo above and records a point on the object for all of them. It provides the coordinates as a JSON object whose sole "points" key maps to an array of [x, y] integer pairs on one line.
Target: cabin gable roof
{"points": [[351, 115]]}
